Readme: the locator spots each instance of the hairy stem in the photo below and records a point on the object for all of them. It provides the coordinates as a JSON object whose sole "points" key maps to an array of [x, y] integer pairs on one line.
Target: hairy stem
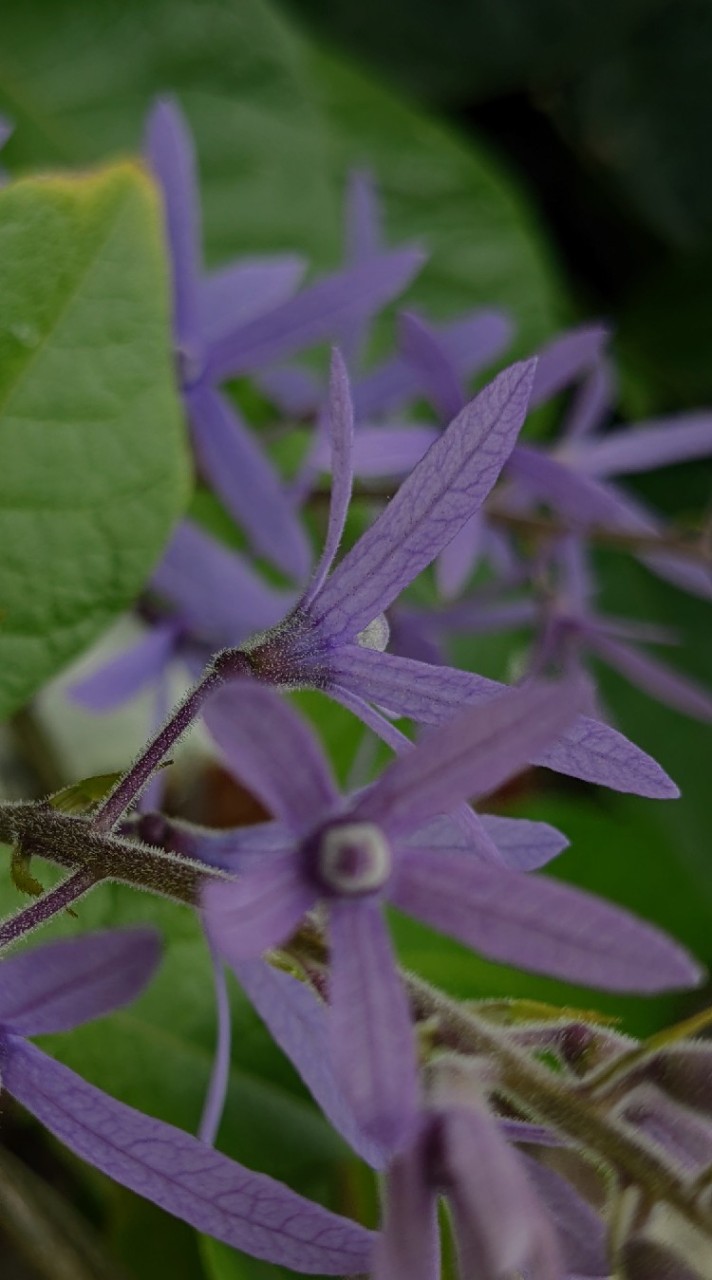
{"points": [[43, 909], [230, 662]]}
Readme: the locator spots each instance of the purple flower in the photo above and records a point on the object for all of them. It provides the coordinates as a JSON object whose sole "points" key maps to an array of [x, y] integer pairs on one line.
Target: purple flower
{"points": [[353, 855], [57, 987], [501, 1227], [242, 318], [334, 639]]}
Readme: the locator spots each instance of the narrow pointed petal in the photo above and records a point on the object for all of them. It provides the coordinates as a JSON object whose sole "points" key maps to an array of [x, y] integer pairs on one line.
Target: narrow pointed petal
{"points": [[237, 849], [126, 674], [582, 499], [595, 752], [476, 616], [215, 590], [245, 481], [435, 371], [581, 1232], [217, 1196], [234, 295], [315, 314], [408, 1246], [566, 360], [298, 1021], [501, 1228], [539, 925], [524, 845], [594, 399], [214, 1104], [447, 487], [456, 562], [273, 751], [364, 230], [655, 677], [258, 911], [385, 452], [340, 414], [474, 754], [171, 156], [645, 446], [590, 749], [684, 1135], [372, 1042], [472, 342], [60, 985]]}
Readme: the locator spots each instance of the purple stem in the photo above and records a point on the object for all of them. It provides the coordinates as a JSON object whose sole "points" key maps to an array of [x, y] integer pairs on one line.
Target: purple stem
{"points": [[220, 1078], [44, 908], [230, 662]]}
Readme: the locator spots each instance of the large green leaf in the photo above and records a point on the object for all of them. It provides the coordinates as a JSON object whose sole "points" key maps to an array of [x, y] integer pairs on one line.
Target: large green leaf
{"points": [[92, 470], [277, 125]]}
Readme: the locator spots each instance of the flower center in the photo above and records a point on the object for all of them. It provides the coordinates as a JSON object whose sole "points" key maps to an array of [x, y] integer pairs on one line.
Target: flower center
{"points": [[353, 858]]}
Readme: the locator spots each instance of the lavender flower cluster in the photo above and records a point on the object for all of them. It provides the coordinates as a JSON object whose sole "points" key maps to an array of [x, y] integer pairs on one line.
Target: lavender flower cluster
{"points": [[600, 1166]]}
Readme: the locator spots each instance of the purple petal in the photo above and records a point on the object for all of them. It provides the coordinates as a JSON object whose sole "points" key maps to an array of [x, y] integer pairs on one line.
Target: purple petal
{"points": [[341, 434], [654, 677], [445, 489], [60, 985], [297, 392], [539, 925], [408, 1247], [245, 481], [592, 402], [524, 845], [434, 369], [364, 232], [126, 674], [170, 154], [500, 1227], [372, 1042], [566, 359], [233, 295], [478, 616], [273, 751], [590, 749], [237, 849], [316, 313], [645, 446], [215, 590], [580, 1229], [683, 1135], [214, 1105], [217, 1196], [472, 343], [390, 451], [580, 498], [298, 1021], [414, 636], [258, 911], [457, 560], [471, 756]]}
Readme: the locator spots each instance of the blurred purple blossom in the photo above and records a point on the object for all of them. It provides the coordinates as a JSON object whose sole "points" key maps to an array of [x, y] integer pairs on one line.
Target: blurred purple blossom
{"points": [[242, 318]]}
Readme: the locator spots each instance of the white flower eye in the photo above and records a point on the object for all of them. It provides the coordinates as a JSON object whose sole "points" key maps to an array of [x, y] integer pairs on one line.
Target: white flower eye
{"points": [[353, 858]]}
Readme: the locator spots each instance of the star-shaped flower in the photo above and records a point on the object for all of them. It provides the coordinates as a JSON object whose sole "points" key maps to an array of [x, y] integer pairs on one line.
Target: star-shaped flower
{"points": [[242, 318], [334, 639], [353, 855], [57, 987]]}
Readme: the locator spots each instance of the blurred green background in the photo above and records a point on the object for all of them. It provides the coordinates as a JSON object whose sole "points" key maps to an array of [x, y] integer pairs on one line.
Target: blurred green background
{"points": [[553, 157]]}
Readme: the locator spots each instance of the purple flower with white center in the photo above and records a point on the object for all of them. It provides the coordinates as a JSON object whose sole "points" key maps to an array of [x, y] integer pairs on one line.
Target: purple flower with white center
{"points": [[352, 856], [61, 985], [242, 318], [334, 639], [501, 1226]]}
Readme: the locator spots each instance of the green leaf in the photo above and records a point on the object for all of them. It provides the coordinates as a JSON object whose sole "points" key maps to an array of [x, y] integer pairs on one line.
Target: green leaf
{"points": [[277, 125], [223, 1263], [93, 470]]}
